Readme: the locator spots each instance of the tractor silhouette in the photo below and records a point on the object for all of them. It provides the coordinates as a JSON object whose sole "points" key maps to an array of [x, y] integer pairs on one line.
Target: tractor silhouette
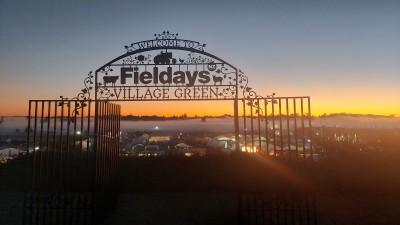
{"points": [[164, 58]]}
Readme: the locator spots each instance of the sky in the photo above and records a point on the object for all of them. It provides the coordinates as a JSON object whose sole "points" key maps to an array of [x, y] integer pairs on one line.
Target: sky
{"points": [[345, 54]]}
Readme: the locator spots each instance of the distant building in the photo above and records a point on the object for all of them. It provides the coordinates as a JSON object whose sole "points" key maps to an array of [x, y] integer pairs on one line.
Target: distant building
{"points": [[151, 150], [220, 144], [187, 150], [141, 140], [160, 138]]}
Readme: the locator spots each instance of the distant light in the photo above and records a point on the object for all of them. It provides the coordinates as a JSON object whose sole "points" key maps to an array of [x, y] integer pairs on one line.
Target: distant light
{"points": [[78, 132], [36, 148], [156, 128], [249, 149], [308, 140]]}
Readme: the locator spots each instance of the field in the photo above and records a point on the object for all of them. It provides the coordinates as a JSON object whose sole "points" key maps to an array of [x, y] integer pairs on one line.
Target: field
{"points": [[350, 189]]}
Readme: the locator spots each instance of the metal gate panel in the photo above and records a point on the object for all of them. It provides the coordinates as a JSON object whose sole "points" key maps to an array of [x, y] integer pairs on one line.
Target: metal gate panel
{"points": [[277, 126], [278, 209], [64, 151]]}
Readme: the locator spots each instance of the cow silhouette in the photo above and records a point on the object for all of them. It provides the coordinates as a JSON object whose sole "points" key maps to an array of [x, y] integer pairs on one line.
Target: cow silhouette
{"points": [[110, 79], [164, 58], [217, 79]]}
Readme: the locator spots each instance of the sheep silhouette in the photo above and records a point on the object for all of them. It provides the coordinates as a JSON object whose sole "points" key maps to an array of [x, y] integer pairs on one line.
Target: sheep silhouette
{"points": [[110, 79], [217, 79]]}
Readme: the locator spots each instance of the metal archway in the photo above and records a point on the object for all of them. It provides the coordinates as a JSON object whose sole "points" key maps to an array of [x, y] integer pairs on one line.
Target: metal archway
{"points": [[198, 76]]}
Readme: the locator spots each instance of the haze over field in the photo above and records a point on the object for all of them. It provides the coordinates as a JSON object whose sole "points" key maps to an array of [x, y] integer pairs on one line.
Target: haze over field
{"points": [[12, 124]]}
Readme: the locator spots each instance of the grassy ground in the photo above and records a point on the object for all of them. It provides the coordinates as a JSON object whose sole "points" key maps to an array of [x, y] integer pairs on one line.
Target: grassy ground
{"points": [[178, 190]]}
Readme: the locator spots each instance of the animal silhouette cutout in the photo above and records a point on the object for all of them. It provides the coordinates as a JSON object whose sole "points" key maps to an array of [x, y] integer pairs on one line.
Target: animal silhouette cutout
{"points": [[110, 79], [164, 58], [217, 79]]}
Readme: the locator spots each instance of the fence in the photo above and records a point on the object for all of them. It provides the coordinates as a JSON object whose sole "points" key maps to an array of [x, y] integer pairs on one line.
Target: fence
{"points": [[277, 126], [72, 153], [275, 208]]}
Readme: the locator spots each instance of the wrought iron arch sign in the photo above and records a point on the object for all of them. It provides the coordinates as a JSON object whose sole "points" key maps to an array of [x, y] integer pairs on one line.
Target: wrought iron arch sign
{"points": [[166, 68], [81, 154]]}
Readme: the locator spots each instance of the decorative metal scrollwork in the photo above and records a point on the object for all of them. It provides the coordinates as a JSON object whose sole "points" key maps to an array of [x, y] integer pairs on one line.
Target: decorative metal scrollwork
{"points": [[217, 75], [140, 59], [249, 94], [192, 59], [83, 96], [85, 92], [165, 39], [166, 35], [104, 93], [106, 69]]}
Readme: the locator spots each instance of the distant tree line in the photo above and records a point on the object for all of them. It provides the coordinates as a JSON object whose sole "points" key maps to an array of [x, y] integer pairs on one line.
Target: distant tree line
{"points": [[161, 118]]}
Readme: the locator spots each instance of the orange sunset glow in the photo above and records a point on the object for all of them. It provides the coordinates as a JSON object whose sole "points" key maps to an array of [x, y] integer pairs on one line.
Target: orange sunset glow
{"points": [[217, 112]]}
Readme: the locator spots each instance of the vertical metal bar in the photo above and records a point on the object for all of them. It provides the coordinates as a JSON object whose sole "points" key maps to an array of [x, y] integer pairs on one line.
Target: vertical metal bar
{"points": [[33, 165], [119, 134], [262, 200], [240, 206], [310, 129], [295, 127], [293, 208], [255, 209], [259, 124], [302, 127], [288, 126], [314, 207], [112, 152], [87, 170], [236, 122], [97, 150], [45, 200], [102, 147], [248, 208], [280, 125], [244, 124], [66, 179], [106, 164], [99, 156], [105, 156], [307, 209], [60, 176], [73, 176], [270, 206], [79, 172], [53, 171], [251, 124], [278, 210], [273, 125], [236, 112], [266, 125], [27, 166], [40, 163], [300, 210], [285, 211]]}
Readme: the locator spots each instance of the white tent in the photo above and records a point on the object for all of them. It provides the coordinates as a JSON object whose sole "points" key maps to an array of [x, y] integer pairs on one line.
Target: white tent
{"points": [[9, 152], [182, 146]]}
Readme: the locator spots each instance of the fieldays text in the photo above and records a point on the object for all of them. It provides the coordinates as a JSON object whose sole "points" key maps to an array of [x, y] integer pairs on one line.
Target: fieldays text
{"points": [[164, 77]]}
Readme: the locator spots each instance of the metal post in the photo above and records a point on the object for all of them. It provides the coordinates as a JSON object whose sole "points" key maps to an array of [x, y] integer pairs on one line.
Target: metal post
{"points": [[236, 118]]}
